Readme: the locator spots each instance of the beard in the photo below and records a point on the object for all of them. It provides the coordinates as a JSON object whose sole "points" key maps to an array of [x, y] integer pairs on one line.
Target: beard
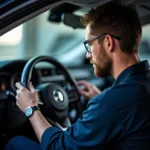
{"points": [[102, 67]]}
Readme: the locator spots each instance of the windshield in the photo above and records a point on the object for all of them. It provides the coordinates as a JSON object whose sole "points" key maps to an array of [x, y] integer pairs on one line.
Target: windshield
{"points": [[42, 37]]}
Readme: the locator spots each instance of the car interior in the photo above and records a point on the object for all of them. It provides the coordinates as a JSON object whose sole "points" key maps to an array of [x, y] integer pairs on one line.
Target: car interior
{"points": [[42, 41]]}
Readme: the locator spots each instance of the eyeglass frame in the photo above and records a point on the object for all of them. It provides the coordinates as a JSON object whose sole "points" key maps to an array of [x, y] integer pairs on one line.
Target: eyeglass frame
{"points": [[94, 38]]}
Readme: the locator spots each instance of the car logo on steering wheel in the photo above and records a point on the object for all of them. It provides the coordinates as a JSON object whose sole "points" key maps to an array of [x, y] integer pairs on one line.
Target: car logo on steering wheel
{"points": [[58, 96]]}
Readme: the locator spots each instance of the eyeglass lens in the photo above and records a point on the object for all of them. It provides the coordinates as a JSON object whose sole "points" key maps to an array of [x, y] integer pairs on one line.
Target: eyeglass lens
{"points": [[88, 47]]}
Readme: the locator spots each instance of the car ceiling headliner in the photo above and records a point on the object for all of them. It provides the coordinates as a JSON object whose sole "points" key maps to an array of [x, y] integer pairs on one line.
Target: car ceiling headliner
{"points": [[14, 16]]}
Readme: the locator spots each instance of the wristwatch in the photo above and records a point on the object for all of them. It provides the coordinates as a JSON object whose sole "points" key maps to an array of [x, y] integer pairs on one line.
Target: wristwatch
{"points": [[30, 110]]}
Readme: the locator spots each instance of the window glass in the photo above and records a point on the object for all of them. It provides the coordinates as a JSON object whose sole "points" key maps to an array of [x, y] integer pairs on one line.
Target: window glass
{"points": [[41, 37]]}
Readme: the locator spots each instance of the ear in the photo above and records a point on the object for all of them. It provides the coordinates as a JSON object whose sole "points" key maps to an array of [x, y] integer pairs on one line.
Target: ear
{"points": [[109, 43]]}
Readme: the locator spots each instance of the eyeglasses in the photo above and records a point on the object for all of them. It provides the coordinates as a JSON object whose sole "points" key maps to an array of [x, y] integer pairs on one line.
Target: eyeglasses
{"points": [[88, 46]]}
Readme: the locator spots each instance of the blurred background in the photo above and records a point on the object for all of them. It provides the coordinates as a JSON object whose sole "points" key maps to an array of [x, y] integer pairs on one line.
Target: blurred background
{"points": [[42, 37]]}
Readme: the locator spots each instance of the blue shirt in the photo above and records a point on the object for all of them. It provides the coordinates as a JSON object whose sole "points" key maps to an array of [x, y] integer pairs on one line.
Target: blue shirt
{"points": [[118, 118]]}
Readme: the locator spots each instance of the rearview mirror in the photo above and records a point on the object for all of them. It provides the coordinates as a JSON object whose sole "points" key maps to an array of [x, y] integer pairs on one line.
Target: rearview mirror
{"points": [[71, 20]]}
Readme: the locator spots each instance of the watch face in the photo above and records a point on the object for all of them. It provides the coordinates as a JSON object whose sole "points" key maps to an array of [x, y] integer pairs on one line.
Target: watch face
{"points": [[28, 112]]}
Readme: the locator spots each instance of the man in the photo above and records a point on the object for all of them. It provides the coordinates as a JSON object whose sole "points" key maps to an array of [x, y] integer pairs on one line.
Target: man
{"points": [[118, 117]]}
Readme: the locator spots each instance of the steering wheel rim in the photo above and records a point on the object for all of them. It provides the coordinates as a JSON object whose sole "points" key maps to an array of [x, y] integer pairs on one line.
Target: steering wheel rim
{"points": [[27, 74]]}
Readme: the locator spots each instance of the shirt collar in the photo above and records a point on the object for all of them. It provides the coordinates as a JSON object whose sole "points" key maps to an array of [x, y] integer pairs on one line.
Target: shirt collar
{"points": [[136, 68]]}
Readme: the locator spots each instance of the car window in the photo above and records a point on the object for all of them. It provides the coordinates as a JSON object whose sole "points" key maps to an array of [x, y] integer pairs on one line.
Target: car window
{"points": [[42, 37], [144, 49]]}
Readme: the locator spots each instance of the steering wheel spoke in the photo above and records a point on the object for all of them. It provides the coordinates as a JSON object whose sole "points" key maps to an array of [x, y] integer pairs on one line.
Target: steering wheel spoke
{"points": [[72, 95], [40, 102]]}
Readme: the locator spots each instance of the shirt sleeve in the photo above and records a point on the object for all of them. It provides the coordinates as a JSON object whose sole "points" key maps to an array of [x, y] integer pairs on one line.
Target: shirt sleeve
{"points": [[98, 126]]}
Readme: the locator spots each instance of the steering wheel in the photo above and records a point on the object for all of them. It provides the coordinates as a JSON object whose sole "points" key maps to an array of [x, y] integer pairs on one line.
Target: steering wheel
{"points": [[53, 99]]}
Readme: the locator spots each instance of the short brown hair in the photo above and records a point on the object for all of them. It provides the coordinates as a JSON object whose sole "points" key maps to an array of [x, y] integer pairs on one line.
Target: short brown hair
{"points": [[117, 19]]}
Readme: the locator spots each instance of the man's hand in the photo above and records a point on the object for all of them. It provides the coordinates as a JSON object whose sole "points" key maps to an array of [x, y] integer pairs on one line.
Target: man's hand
{"points": [[88, 90], [25, 97]]}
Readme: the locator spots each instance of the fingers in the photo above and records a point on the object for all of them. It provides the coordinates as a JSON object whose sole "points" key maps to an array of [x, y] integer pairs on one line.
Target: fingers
{"points": [[19, 86], [85, 93], [17, 96], [85, 89], [17, 92], [31, 87], [22, 88], [83, 83], [88, 90]]}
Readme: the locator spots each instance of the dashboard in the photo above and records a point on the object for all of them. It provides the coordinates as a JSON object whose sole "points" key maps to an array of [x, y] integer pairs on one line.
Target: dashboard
{"points": [[10, 73], [7, 81], [4, 81]]}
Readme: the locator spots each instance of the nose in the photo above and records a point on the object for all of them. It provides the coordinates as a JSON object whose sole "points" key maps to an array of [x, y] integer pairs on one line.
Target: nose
{"points": [[88, 55]]}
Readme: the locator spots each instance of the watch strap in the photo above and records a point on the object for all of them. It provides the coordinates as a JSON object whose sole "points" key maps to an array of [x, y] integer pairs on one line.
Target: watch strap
{"points": [[34, 108]]}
